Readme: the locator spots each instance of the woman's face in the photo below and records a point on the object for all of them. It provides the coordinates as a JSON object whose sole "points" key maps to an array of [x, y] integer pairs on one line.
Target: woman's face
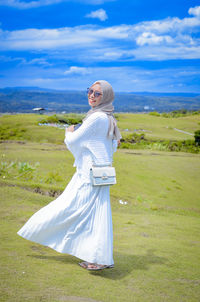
{"points": [[92, 99]]}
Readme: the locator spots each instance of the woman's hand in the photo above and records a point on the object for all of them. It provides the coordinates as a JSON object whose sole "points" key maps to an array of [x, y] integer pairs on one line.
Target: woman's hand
{"points": [[70, 128], [118, 143]]}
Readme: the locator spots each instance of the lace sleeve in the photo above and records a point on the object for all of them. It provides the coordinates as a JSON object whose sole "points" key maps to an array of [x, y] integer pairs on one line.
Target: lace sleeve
{"points": [[86, 131]]}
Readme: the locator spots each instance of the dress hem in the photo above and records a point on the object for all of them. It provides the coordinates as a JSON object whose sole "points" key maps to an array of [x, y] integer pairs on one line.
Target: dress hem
{"points": [[61, 252]]}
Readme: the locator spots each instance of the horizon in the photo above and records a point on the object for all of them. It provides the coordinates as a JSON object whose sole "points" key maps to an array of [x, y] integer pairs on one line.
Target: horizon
{"points": [[37, 89]]}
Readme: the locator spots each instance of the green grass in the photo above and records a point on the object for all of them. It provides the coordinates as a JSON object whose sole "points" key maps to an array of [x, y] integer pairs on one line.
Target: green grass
{"points": [[156, 235], [160, 127], [25, 127]]}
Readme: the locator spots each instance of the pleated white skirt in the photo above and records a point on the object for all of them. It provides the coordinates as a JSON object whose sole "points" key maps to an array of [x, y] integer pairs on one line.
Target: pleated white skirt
{"points": [[78, 222]]}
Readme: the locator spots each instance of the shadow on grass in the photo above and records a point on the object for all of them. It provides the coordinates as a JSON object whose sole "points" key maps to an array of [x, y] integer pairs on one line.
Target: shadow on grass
{"points": [[124, 263]]}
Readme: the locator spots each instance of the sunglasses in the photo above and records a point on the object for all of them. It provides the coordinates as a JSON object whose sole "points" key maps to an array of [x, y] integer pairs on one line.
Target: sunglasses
{"points": [[91, 91]]}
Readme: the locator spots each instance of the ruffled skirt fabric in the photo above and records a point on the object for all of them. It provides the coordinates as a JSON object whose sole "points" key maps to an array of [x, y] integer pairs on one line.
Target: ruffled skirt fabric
{"points": [[78, 222]]}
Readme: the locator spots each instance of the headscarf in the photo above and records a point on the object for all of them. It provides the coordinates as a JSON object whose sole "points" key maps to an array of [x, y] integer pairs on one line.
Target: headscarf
{"points": [[107, 107]]}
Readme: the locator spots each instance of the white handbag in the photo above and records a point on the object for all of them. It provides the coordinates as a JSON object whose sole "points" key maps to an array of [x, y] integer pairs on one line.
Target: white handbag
{"points": [[102, 175]]}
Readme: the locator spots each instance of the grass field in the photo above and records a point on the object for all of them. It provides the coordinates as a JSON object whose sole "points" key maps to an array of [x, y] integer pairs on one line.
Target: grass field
{"points": [[25, 127], [156, 234], [160, 127]]}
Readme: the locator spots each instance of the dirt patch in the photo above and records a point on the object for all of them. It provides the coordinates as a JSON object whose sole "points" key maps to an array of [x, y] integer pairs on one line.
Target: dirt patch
{"points": [[37, 249], [52, 193], [76, 299], [38, 190], [12, 142], [178, 154]]}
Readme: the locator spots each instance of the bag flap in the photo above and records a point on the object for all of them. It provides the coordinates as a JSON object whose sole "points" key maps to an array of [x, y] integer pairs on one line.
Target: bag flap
{"points": [[103, 171]]}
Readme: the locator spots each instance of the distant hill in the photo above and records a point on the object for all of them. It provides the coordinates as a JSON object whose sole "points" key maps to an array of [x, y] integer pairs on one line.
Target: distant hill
{"points": [[24, 99]]}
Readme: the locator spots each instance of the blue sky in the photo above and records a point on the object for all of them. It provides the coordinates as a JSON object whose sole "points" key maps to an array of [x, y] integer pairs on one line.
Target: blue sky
{"points": [[136, 45]]}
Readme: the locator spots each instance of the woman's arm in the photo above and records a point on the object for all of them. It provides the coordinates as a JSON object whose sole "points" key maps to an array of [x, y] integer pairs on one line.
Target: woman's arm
{"points": [[87, 130]]}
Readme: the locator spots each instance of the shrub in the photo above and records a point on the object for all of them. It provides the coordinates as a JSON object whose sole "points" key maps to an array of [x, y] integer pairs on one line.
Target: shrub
{"points": [[124, 145], [52, 119], [49, 119], [53, 177], [197, 137], [18, 169], [154, 113], [72, 121], [164, 114], [63, 119], [132, 138], [175, 146], [179, 113], [116, 116]]}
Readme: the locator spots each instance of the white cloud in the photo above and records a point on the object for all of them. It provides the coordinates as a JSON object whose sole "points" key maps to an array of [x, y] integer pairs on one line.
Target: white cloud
{"points": [[31, 4], [166, 39], [38, 3], [23, 61], [194, 11], [151, 38], [99, 14], [163, 53], [77, 70], [62, 38], [169, 25], [36, 61]]}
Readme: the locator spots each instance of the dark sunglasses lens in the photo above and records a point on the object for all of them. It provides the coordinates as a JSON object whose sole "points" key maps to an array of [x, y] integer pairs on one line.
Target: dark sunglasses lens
{"points": [[89, 91]]}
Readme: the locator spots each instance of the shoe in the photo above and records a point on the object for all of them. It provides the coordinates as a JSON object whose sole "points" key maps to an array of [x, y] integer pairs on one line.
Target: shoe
{"points": [[98, 267], [84, 264]]}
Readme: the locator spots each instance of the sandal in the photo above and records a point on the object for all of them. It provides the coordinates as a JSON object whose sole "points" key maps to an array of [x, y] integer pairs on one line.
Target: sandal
{"points": [[84, 264], [98, 267]]}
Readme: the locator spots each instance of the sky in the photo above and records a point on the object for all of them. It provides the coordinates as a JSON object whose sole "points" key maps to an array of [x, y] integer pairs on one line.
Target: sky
{"points": [[136, 45]]}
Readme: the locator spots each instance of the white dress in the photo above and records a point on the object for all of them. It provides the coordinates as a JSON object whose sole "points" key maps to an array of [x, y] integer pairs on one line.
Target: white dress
{"points": [[79, 221]]}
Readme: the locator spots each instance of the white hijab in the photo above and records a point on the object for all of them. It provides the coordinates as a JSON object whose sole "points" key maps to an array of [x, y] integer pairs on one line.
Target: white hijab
{"points": [[107, 107]]}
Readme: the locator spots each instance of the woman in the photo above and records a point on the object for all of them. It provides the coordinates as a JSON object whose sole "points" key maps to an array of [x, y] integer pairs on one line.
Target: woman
{"points": [[79, 221]]}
